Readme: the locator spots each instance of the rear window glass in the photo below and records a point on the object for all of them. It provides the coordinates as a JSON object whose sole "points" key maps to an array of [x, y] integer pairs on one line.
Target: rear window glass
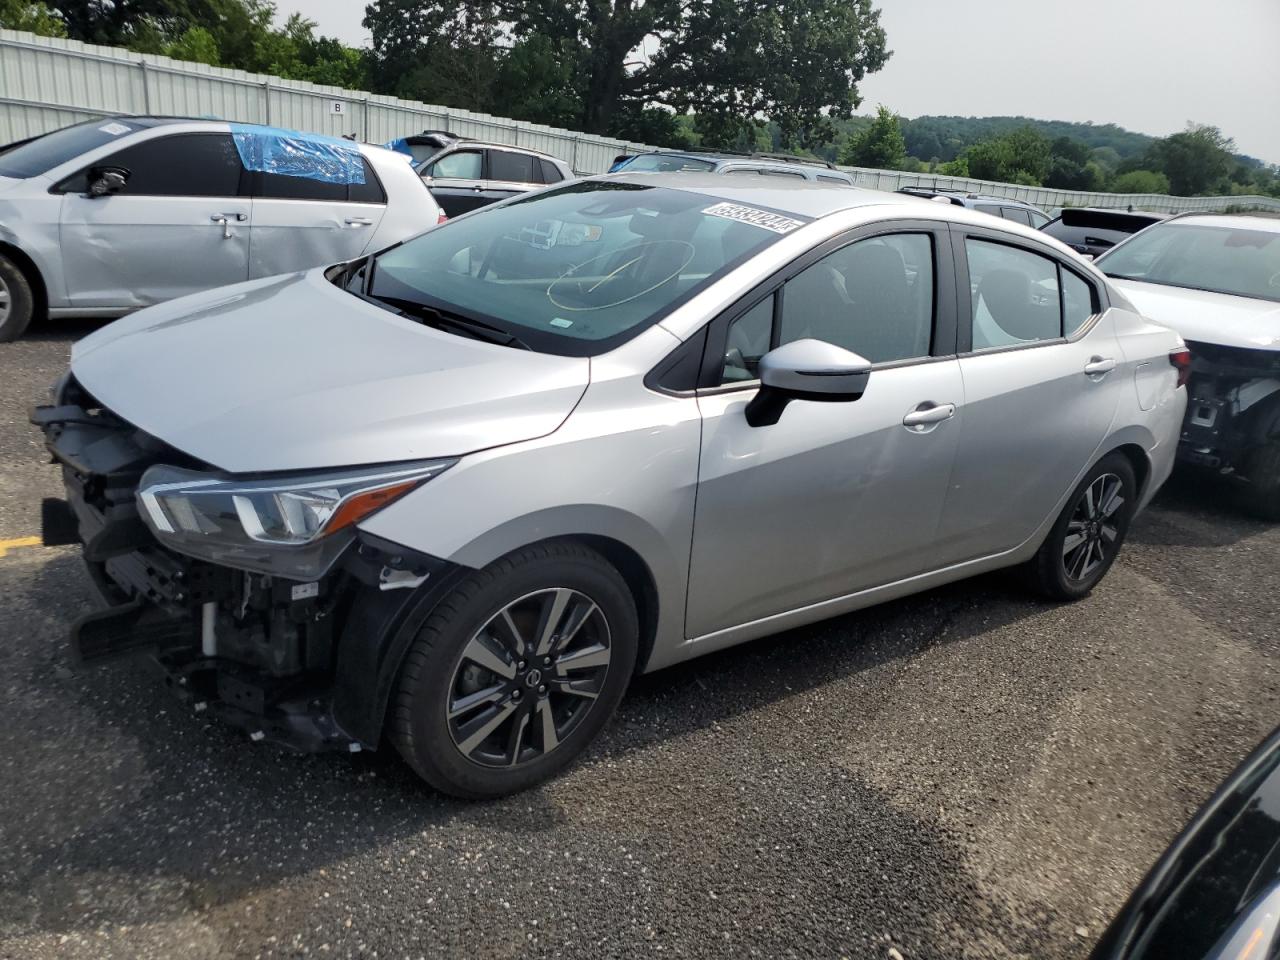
{"points": [[550, 172], [53, 149], [511, 167]]}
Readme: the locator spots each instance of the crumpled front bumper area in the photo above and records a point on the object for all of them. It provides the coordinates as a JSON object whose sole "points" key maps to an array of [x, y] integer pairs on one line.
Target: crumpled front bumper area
{"points": [[259, 653]]}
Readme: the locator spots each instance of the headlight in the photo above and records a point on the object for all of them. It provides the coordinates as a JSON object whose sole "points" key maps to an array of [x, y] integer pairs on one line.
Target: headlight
{"points": [[292, 528]]}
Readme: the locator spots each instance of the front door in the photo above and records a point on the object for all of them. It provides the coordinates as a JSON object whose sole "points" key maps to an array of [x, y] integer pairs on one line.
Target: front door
{"points": [[836, 497], [1043, 377], [179, 225]]}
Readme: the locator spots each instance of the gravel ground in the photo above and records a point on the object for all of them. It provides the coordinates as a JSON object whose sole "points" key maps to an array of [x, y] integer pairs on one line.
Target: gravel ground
{"points": [[967, 773]]}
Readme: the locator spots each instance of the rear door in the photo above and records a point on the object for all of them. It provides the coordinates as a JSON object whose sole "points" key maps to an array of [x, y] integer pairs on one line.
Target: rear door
{"points": [[456, 180], [1042, 384], [299, 223], [179, 225], [510, 173]]}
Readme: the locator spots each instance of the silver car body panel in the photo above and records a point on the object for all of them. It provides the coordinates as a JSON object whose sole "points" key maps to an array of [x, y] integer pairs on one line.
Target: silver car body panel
{"points": [[374, 387], [743, 531], [110, 255], [1208, 317]]}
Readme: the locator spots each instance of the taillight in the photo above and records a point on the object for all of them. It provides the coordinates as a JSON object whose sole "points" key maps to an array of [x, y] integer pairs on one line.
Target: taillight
{"points": [[441, 218], [1181, 361]]}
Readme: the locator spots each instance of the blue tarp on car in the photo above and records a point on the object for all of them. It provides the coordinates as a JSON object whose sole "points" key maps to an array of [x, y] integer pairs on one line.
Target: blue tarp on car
{"points": [[292, 153]]}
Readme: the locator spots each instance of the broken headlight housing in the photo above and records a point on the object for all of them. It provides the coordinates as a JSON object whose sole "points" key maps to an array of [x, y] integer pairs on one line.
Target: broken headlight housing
{"points": [[288, 527]]}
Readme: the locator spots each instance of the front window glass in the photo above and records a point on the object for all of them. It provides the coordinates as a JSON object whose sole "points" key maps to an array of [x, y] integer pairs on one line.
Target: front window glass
{"points": [[463, 165], [182, 165], [577, 269], [666, 163], [53, 149], [874, 297], [1234, 260]]}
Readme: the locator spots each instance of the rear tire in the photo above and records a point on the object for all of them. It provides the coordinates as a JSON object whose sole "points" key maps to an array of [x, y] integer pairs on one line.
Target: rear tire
{"points": [[516, 671], [1262, 470], [17, 303], [1088, 534]]}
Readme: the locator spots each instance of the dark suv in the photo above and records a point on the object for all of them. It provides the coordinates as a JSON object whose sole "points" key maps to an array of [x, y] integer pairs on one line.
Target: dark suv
{"points": [[1093, 231], [1016, 210], [466, 174]]}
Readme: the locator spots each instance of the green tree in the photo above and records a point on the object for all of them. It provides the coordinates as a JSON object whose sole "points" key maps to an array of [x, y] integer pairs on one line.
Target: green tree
{"points": [[33, 16], [1194, 160], [1020, 156], [879, 145], [1071, 166], [195, 44], [1140, 181]]}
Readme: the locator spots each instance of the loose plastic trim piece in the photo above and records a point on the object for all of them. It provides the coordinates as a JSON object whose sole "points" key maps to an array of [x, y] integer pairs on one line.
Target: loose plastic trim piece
{"points": [[291, 153]]}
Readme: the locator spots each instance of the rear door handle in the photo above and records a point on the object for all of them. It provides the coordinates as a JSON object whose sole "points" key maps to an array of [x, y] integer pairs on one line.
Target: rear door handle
{"points": [[1097, 366], [358, 222], [928, 415]]}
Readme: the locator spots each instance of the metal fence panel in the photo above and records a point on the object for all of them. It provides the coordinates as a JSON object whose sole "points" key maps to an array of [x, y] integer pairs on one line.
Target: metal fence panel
{"points": [[46, 83]]}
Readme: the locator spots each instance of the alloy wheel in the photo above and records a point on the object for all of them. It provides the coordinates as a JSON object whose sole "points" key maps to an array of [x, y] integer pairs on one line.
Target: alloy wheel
{"points": [[6, 300], [528, 677], [1093, 531]]}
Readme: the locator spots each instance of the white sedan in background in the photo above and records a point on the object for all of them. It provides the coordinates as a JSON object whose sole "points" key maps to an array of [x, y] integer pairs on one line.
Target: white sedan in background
{"points": [[1216, 280], [108, 216]]}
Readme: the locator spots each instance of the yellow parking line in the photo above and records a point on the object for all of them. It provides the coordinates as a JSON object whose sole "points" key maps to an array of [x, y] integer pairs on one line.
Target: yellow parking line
{"points": [[7, 545]]}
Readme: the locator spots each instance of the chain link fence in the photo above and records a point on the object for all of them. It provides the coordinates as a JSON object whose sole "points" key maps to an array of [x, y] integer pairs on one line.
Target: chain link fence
{"points": [[46, 83]]}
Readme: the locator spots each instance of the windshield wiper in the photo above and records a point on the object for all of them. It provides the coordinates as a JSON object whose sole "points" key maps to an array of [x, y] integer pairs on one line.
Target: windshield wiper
{"points": [[452, 322]]}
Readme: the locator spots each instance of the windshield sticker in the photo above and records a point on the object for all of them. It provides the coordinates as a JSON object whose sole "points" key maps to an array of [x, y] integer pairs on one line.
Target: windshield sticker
{"points": [[561, 322], [757, 218], [115, 129]]}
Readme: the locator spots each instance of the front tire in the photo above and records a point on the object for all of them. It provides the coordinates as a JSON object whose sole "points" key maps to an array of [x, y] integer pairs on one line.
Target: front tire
{"points": [[516, 671], [17, 303], [1088, 534]]}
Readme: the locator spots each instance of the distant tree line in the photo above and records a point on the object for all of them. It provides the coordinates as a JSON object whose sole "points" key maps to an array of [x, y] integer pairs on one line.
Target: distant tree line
{"points": [[775, 75], [1197, 161]]}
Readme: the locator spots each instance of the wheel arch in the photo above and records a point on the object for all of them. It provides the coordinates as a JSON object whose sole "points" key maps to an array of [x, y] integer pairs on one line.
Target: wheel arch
{"points": [[39, 290], [1140, 460]]}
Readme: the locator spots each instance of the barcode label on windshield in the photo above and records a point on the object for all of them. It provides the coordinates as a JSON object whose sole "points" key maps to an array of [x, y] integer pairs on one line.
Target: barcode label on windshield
{"points": [[757, 218]]}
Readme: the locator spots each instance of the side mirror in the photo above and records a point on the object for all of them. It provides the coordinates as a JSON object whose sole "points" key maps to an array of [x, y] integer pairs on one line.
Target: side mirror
{"points": [[806, 370], [106, 180]]}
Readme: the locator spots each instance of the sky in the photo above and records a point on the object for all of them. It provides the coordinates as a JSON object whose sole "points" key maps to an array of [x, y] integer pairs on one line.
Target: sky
{"points": [[1147, 65]]}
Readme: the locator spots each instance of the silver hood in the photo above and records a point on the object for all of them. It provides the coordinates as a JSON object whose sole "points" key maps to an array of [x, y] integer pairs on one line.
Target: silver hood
{"points": [[292, 373], [1217, 318]]}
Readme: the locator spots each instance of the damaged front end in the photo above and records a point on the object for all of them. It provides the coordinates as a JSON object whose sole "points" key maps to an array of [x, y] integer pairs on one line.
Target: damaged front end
{"points": [[1233, 407], [258, 599]]}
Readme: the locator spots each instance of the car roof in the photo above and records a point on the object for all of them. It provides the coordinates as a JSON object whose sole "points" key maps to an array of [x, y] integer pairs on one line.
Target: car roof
{"points": [[1231, 221], [804, 198], [465, 142]]}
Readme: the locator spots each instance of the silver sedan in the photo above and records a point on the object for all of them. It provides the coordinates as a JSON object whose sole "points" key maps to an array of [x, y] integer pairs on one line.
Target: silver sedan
{"points": [[459, 492]]}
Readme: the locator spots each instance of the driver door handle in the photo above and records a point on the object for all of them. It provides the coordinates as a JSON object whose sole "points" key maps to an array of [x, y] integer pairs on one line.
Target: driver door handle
{"points": [[225, 219], [1099, 365], [358, 222], [927, 415]]}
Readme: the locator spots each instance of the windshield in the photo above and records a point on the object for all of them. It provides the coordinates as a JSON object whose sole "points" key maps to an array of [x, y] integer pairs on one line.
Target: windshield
{"points": [[666, 163], [1237, 261], [42, 154], [574, 270]]}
